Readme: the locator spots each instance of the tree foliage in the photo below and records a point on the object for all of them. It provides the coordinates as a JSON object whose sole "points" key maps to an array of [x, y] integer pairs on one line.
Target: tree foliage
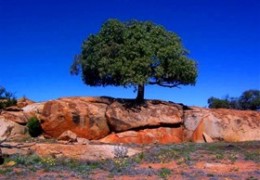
{"points": [[6, 98], [249, 100], [218, 103], [134, 53]]}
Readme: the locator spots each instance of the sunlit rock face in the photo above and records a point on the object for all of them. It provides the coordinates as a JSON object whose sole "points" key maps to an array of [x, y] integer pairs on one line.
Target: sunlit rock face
{"points": [[221, 125], [83, 116], [22, 102], [111, 120], [161, 135], [125, 116], [94, 118], [10, 129]]}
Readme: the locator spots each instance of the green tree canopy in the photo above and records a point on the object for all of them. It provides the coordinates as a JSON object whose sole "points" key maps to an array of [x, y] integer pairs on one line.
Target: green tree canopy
{"points": [[249, 100], [134, 53]]}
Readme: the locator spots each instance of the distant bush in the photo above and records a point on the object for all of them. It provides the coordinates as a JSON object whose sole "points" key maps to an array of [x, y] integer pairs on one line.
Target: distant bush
{"points": [[34, 127], [6, 98], [249, 100], [218, 103]]}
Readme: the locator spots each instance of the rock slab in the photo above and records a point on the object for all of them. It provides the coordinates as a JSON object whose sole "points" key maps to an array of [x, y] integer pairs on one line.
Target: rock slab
{"points": [[222, 125], [83, 116], [160, 135], [121, 117]]}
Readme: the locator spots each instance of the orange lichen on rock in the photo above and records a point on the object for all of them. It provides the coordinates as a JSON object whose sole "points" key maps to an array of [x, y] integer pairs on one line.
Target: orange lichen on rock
{"points": [[160, 135]]}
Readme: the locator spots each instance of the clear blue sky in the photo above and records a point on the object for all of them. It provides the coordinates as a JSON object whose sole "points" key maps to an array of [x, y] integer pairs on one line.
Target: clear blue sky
{"points": [[38, 39]]}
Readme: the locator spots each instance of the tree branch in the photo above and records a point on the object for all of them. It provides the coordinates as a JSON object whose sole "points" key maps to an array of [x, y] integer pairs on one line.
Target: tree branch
{"points": [[75, 67], [165, 84]]}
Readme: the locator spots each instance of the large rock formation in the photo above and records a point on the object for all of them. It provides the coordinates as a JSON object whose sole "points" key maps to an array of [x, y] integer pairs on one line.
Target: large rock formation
{"points": [[83, 116], [10, 129], [18, 117], [221, 124], [122, 121], [125, 116], [95, 118], [12, 124]]}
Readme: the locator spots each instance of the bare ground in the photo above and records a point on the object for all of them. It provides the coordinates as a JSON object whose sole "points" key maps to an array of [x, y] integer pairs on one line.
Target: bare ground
{"points": [[211, 161]]}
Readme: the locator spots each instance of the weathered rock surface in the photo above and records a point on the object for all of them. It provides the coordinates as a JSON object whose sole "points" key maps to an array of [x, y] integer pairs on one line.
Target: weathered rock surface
{"points": [[16, 116], [207, 138], [222, 124], [83, 116], [192, 119], [152, 122], [162, 135], [13, 108], [94, 118], [22, 102], [90, 152], [152, 113], [82, 141], [10, 129], [68, 136], [77, 151], [33, 110]]}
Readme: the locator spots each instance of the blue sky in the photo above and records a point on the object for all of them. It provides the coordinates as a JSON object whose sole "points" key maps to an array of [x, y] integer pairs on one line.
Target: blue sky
{"points": [[39, 38]]}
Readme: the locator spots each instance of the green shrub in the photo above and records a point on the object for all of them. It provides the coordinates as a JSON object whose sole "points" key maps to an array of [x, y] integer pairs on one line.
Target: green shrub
{"points": [[6, 99], [34, 127], [164, 173]]}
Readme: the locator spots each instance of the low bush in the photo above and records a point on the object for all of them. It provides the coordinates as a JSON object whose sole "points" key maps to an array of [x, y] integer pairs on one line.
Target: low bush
{"points": [[34, 127]]}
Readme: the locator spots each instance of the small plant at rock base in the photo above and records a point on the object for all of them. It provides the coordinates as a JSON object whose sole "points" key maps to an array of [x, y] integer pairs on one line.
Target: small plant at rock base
{"points": [[76, 165], [25, 160], [253, 156], [120, 155], [233, 157], [219, 156], [120, 151], [49, 161], [164, 173], [5, 171], [139, 157], [121, 163], [34, 127]]}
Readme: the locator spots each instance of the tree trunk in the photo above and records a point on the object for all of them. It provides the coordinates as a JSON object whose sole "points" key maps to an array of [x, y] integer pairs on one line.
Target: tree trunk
{"points": [[140, 93]]}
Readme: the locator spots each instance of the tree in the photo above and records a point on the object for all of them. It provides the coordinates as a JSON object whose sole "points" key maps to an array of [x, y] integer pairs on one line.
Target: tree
{"points": [[134, 53], [249, 100], [6, 98]]}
